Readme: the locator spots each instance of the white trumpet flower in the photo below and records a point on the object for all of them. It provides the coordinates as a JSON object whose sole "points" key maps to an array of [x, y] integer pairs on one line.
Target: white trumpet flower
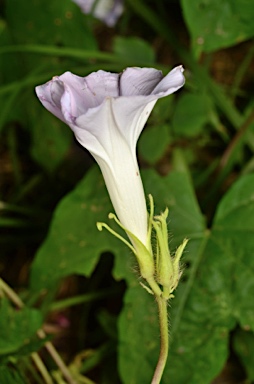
{"points": [[107, 113]]}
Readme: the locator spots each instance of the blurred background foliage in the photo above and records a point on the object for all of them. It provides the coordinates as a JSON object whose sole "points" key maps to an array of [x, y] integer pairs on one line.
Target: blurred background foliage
{"points": [[80, 287]]}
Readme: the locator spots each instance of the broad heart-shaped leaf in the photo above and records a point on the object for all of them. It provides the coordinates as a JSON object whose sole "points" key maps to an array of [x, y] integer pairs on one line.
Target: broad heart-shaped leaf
{"points": [[214, 24], [17, 327], [215, 292], [234, 234], [74, 243]]}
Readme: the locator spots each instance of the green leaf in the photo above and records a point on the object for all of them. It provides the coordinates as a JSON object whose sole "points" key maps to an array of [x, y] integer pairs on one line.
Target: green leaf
{"points": [[74, 243], [134, 49], [10, 376], [51, 139], [153, 143], [17, 327], [54, 22], [214, 24], [191, 114], [234, 234]]}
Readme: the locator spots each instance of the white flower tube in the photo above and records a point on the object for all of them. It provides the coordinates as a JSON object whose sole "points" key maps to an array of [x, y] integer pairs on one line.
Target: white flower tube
{"points": [[107, 113]]}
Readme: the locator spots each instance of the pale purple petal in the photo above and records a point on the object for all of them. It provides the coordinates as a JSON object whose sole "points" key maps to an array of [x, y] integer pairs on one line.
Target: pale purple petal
{"points": [[63, 96], [131, 113], [90, 91], [139, 81], [73, 98], [170, 83], [69, 96], [50, 95], [99, 85]]}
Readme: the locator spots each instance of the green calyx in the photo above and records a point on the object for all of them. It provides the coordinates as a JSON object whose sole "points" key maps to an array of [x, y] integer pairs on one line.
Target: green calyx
{"points": [[161, 271], [168, 271]]}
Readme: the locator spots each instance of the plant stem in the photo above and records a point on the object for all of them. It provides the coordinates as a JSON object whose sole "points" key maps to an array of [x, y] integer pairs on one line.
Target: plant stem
{"points": [[163, 319], [57, 358], [41, 368], [11, 294]]}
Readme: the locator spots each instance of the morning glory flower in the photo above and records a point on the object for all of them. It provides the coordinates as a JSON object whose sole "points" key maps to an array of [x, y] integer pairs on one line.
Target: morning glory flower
{"points": [[107, 11], [107, 112]]}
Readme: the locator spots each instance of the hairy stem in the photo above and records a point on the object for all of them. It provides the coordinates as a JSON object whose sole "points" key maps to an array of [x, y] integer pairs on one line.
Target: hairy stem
{"points": [[163, 319]]}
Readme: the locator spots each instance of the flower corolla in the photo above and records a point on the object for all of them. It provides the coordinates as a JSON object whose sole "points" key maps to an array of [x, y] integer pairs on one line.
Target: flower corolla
{"points": [[107, 112]]}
